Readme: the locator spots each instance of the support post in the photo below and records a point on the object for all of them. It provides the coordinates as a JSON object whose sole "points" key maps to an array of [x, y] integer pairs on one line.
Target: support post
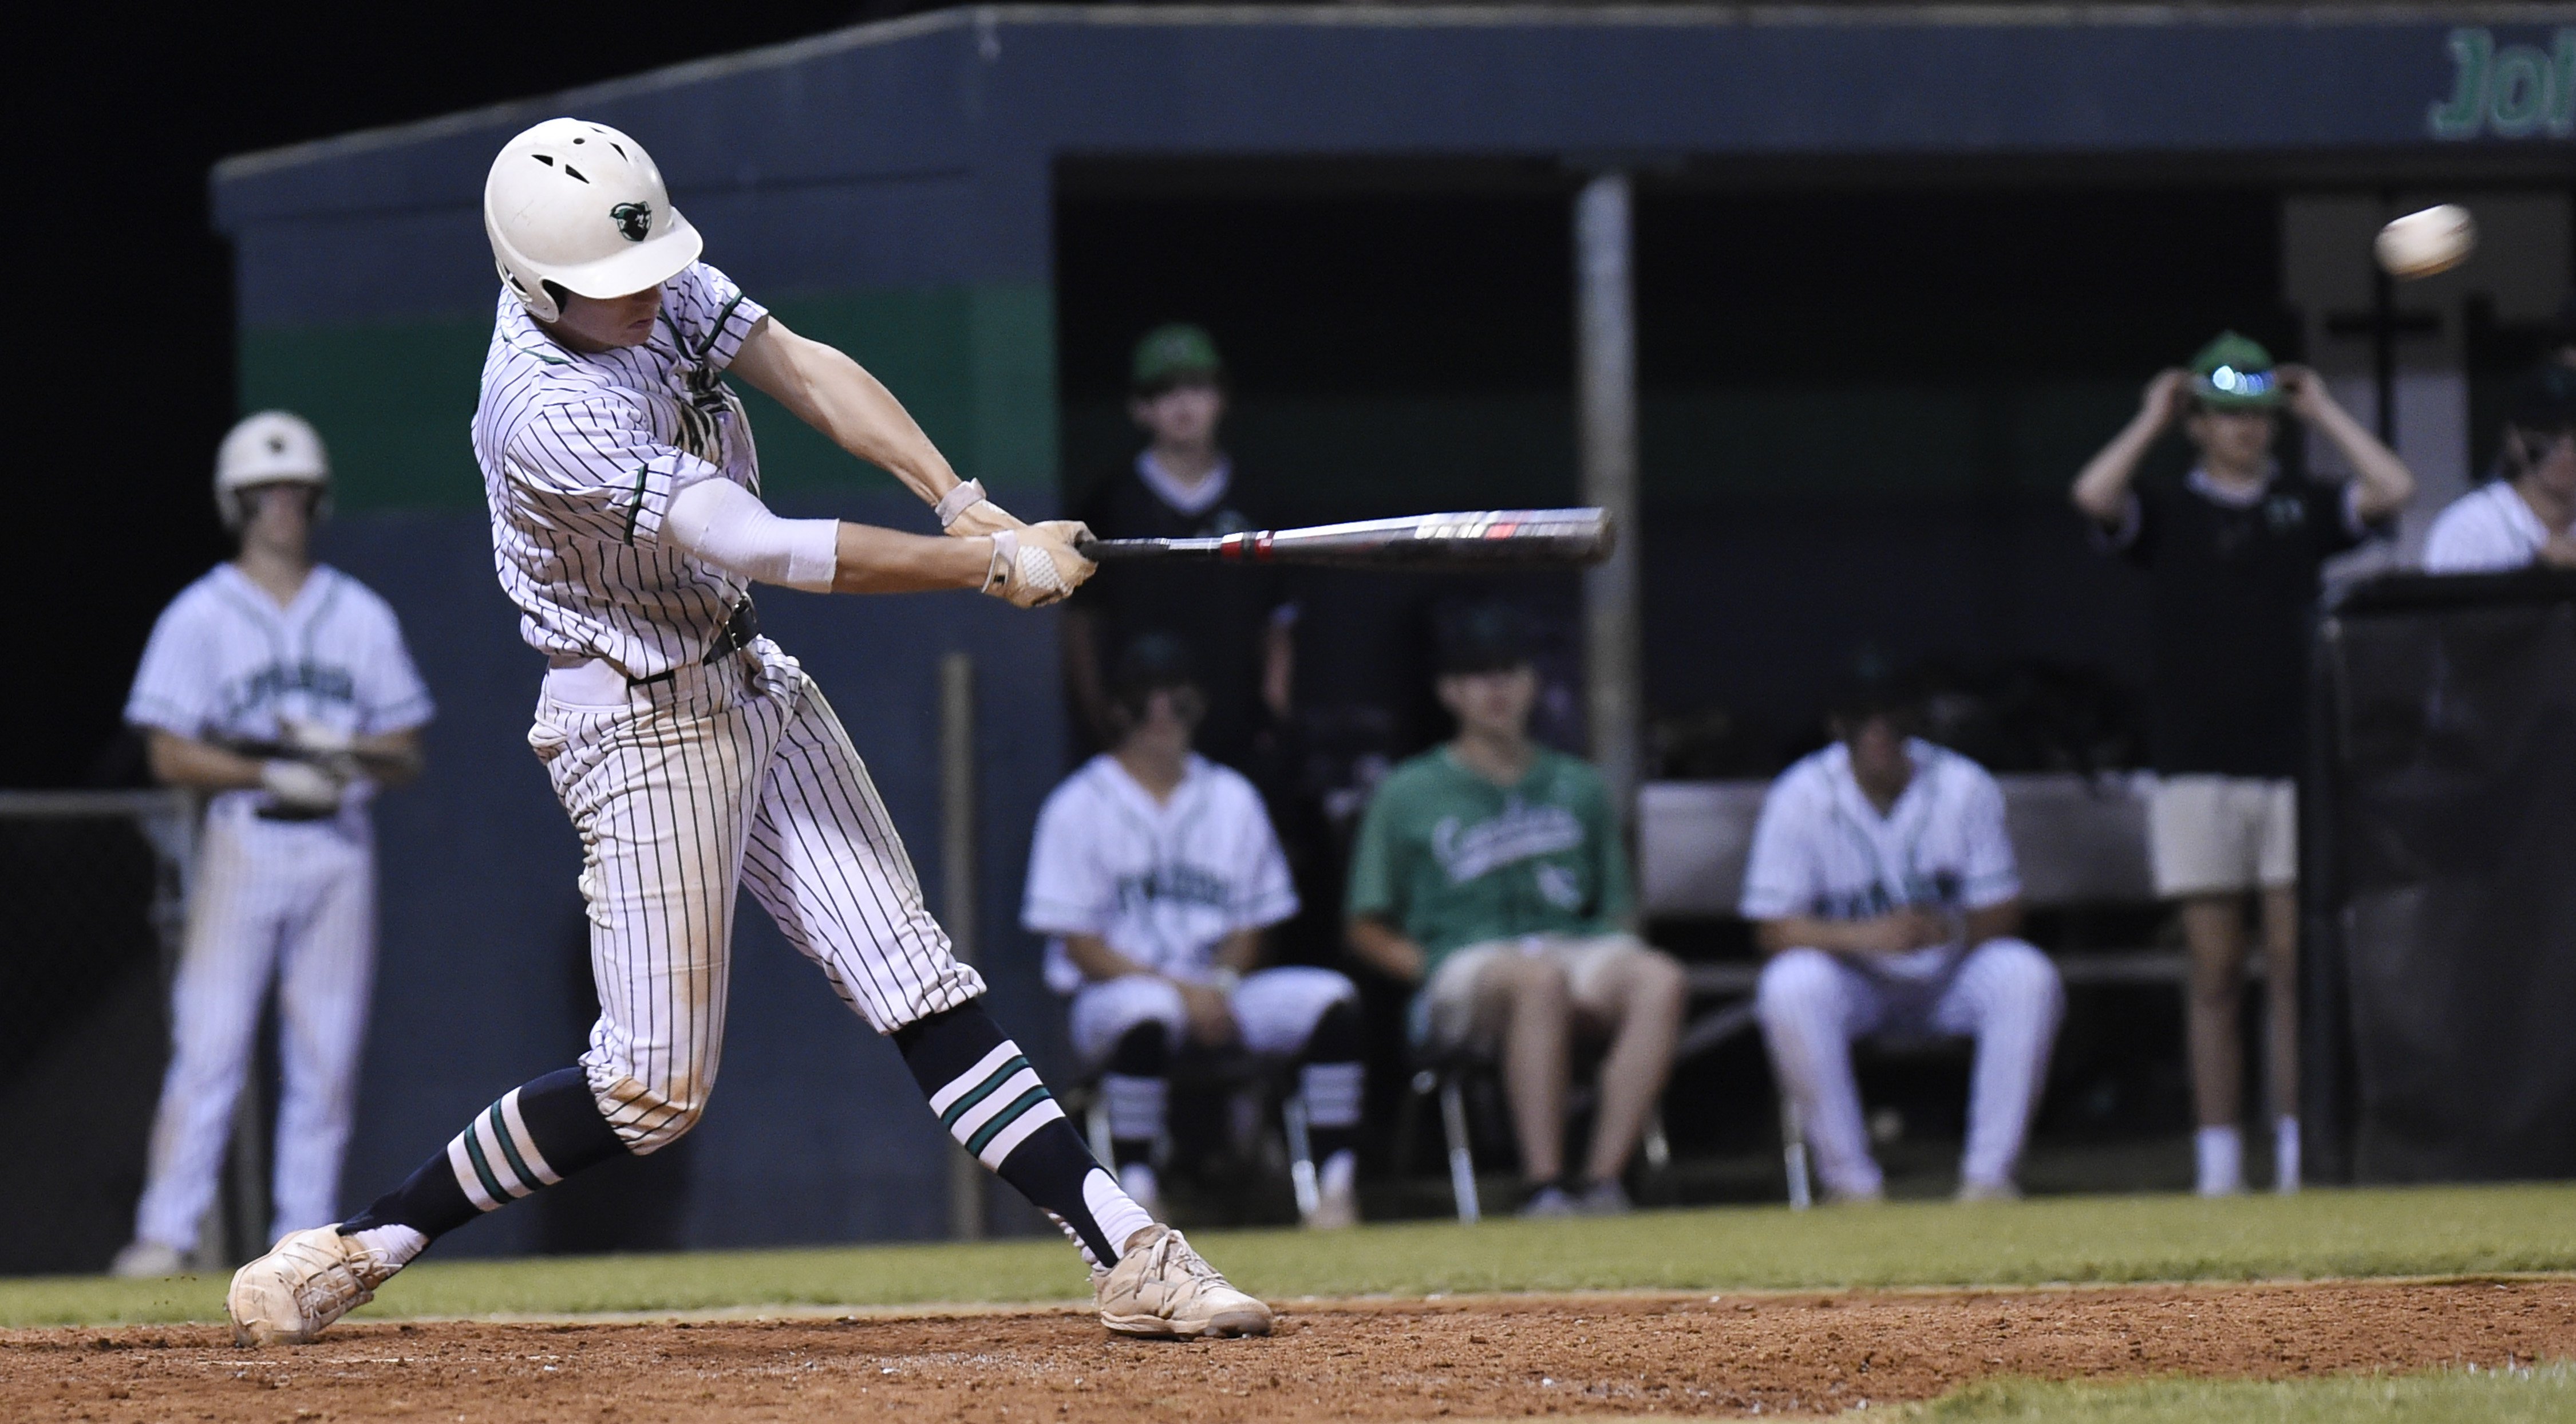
{"points": [[957, 857], [1606, 426]]}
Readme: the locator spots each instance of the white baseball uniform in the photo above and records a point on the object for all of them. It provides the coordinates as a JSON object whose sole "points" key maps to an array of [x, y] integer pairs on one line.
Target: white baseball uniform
{"points": [[1164, 883], [2487, 530], [1822, 850], [687, 766], [293, 898]]}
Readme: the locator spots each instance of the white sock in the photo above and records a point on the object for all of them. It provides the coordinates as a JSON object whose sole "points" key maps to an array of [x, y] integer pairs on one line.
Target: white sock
{"points": [[2221, 1151], [1337, 1173], [394, 1245], [2285, 1155], [1137, 1180]]}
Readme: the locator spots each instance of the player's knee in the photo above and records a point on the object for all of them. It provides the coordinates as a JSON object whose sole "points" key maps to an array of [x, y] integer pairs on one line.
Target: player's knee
{"points": [[2023, 976], [1659, 981], [655, 1120], [1532, 981], [1794, 984]]}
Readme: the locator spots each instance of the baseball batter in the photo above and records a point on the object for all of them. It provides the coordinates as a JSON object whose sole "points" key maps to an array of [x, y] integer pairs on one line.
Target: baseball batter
{"points": [[693, 754], [1882, 884], [1154, 872], [282, 690]]}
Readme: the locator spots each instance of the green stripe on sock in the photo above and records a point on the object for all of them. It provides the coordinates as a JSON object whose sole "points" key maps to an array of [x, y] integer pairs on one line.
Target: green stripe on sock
{"points": [[483, 1169], [1005, 1118], [982, 1091], [509, 1149]]}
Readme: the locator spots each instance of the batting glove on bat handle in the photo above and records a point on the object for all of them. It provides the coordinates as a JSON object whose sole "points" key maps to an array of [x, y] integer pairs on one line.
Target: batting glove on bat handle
{"points": [[1036, 566], [964, 513]]}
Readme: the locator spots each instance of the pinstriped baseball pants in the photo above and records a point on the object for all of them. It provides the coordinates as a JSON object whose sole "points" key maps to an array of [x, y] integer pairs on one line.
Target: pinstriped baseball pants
{"points": [[732, 774], [293, 900]]}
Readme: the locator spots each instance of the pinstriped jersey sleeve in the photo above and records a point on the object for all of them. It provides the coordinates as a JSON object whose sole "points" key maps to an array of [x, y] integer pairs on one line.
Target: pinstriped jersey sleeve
{"points": [[1781, 874], [390, 695], [1989, 877], [1068, 892], [711, 315], [590, 466], [174, 687]]}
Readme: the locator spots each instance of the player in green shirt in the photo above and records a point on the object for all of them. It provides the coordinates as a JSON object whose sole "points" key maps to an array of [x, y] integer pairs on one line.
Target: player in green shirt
{"points": [[1489, 872]]}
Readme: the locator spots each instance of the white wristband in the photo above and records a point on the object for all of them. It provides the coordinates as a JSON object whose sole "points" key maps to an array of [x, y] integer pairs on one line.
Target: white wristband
{"points": [[1006, 557], [957, 501]]}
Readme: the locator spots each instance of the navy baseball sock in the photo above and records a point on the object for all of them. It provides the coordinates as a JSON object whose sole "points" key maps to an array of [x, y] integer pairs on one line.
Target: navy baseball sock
{"points": [[538, 1134], [1136, 1088], [1330, 1082], [991, 1101]]}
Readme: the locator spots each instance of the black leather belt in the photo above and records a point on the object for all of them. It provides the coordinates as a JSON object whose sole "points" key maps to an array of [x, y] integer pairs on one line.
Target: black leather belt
{"points": [[740, 627]]}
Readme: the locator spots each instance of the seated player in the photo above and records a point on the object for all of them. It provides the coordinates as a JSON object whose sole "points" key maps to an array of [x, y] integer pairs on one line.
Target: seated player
{"points": [[2527, 515], [1882, 885], [1489, 872], [1155, 872]]}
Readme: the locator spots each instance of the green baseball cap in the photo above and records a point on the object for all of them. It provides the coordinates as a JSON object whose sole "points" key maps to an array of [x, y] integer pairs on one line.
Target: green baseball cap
{"points": [[1171, 354], [2234, 373]]}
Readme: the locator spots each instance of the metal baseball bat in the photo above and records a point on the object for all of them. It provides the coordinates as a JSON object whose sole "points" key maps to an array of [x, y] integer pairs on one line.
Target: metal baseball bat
{"points": [[1487, 538]]}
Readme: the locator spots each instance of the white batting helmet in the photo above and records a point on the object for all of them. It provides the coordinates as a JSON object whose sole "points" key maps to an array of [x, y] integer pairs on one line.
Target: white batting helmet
{"points": [[581, 205], [272, 447]]}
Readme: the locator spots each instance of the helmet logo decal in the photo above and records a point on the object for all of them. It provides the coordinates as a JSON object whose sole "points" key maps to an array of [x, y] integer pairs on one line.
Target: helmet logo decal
{"points": [[634, 220]]}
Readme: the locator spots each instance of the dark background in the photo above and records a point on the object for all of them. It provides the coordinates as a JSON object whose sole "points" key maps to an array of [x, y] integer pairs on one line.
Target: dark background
{"points": [[125, 367]]}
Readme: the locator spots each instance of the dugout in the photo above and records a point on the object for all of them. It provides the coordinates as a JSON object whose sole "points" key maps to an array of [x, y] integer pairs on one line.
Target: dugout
{"points": [[1871, 334]]}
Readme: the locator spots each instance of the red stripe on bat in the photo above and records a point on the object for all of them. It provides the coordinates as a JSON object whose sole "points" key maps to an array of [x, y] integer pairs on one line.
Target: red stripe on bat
{"points": [[1261, 546], [1230, 548], [1500, 530]]}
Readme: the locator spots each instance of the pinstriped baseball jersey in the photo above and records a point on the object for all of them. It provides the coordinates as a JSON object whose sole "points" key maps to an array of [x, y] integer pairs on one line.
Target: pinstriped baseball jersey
{"points": [[225, 663], [582, 454], [1821, 849], [1162, 882]]}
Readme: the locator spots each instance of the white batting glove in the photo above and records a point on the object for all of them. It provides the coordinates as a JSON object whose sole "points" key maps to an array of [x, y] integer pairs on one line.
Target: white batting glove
{"points": [[1036, 565], [964, 513], [301, 786]]}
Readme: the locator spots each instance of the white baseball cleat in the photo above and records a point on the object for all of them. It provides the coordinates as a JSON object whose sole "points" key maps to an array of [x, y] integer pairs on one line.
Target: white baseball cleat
{"points": [[306, 1281], [1162, 1289]]}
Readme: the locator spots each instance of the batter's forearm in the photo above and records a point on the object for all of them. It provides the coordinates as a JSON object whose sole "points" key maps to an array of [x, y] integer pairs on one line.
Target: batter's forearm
{"points": [[1240, 952], [874, 560], [836, 395]]}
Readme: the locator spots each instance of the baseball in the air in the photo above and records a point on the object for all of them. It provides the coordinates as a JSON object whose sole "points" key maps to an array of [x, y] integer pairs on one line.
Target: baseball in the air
{"points": [[2421, 244]]}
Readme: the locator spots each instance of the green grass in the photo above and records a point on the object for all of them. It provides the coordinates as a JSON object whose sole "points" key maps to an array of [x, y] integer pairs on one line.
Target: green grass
{"points": [[2523, 1396], [2424, 1231]]}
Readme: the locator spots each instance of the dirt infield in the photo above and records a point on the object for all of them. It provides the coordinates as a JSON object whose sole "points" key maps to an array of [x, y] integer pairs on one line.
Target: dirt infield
{"points": [[1491, 1357]]}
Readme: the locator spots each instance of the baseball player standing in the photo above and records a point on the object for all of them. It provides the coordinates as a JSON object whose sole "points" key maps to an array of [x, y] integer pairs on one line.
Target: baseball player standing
{"points": [[2232, 552], [692, 754], [1154, 871], [1881, 883], [281, 689]]}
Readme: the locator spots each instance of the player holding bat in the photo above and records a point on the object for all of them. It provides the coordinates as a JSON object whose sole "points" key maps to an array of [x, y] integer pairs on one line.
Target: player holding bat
{"points": [[693, 755]]}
